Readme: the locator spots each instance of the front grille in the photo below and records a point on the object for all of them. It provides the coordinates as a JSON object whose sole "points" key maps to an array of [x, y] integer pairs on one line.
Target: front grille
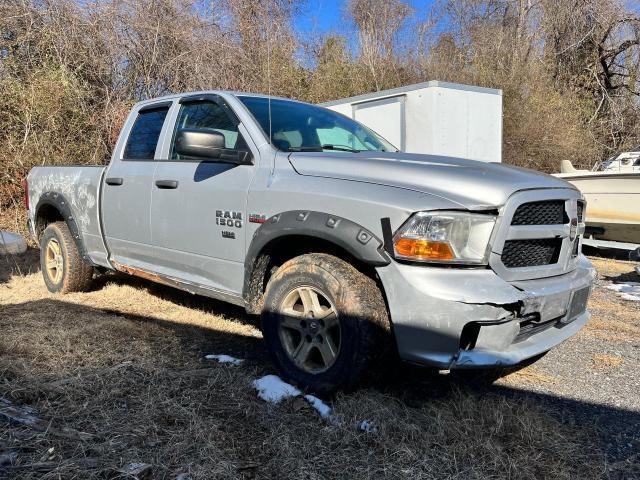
{"points": [[547, 212], [531, 253], [533, 239], [580, 211]]}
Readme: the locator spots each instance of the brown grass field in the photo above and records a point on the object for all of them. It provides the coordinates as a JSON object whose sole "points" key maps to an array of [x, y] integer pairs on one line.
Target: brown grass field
{"points": [[116, 376]]}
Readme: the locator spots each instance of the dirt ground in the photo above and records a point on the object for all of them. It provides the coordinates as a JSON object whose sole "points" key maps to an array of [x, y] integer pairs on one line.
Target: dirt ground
{"points": [[117, 376]]}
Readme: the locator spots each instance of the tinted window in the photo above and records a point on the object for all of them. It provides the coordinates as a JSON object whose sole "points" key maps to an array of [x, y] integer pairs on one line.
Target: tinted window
{"points": [[210, 116], [144, 135], [297, 126]]}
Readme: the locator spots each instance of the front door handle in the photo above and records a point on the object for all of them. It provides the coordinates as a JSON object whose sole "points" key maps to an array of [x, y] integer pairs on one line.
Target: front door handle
{"points": [[167, 184], [114, 181]]}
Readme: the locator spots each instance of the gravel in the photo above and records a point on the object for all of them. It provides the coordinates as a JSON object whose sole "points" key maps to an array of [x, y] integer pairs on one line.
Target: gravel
{"points": [[594, 375]]}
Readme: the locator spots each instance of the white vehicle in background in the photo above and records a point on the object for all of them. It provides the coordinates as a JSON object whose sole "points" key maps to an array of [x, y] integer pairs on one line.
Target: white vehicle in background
{"points": [[612, 191]]}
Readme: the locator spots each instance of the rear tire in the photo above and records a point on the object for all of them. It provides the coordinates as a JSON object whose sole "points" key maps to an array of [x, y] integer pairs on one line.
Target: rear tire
{"points": [[63, 269], [324, 322]]}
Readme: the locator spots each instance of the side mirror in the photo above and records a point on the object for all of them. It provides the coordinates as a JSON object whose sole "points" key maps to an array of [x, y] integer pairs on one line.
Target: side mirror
{"points": [[199, 143], [208, 144]]}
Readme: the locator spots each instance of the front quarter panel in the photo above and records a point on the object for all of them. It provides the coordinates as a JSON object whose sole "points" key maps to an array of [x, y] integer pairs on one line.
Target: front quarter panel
{"points": [[363, 203]]}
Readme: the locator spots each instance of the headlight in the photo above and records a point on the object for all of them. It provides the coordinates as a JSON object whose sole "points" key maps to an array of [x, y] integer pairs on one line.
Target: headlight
{"points": [[445, 237]]}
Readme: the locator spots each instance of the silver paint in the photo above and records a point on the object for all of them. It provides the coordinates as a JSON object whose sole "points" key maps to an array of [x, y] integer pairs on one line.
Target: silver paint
{"points": [[172, 234]]}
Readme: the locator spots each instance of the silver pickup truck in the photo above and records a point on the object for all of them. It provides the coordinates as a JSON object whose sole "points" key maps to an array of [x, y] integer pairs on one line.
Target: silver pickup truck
{"points": [[351, 251]]}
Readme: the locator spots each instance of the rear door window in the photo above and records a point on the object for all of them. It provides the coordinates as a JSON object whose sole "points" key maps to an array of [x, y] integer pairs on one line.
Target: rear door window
{"points": [[144, 135]]}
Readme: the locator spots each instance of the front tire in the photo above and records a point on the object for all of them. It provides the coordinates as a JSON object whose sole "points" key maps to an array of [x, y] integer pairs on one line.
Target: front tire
{"points": [[324, 322], [63, 269]]}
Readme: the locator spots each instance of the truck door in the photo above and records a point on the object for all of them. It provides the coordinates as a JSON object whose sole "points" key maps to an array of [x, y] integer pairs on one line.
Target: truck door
{"points": [[198, 206], [126, 197]]}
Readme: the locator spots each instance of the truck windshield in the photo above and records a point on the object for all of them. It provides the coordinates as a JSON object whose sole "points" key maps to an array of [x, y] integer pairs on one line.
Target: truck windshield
{"points": [[301, 127]]}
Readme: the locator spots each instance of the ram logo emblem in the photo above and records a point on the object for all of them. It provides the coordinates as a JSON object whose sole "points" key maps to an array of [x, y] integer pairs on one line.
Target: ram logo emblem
{"points": [[573, 229]]}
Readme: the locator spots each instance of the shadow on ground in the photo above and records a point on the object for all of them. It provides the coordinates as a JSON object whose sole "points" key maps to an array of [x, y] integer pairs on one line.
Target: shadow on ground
{"points": [[623, 277], [24, 264], [49, 341], [92, 331]]}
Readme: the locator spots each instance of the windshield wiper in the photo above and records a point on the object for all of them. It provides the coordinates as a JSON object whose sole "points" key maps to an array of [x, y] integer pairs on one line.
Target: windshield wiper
{"points": [[340, 148], [319, 148], [305, 149]]}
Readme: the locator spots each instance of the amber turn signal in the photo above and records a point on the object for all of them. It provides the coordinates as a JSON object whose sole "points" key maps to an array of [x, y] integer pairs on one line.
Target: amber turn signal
{"points": [[423, 249]]}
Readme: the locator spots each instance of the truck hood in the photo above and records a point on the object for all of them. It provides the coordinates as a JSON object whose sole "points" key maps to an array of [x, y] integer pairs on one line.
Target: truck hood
{"points": [[471, 184]]}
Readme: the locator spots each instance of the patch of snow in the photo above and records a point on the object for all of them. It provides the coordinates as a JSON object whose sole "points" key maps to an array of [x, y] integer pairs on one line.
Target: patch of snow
{"points": [[628, 291], [225, 359], [368, 426], [323, 409], [272, 389]]}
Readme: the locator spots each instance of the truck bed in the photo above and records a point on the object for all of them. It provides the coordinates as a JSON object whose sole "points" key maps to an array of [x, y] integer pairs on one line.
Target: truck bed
{"points": [[79, 188]]}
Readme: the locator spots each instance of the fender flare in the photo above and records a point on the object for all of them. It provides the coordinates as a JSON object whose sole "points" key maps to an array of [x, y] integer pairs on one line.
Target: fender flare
{"points": [[360, 242], [60, 203]]}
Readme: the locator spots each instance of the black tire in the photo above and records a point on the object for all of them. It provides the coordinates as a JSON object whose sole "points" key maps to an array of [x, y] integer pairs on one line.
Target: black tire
{"points": [[72, 274], [363, 322]]}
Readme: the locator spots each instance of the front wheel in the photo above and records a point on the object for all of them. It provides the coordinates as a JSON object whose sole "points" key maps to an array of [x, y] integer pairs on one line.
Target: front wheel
{"points": [[324, 322], [63, 268]]}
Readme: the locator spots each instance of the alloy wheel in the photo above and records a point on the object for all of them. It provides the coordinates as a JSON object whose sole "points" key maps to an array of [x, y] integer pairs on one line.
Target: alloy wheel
{"points": [[53, 261], [309, 329]]}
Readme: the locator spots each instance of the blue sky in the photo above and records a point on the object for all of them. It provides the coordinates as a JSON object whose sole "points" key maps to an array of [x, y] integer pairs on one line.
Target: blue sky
{"points": [[321, 16]]}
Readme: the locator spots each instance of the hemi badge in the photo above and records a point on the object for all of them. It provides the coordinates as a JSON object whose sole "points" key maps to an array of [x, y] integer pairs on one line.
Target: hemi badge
{"points": [[257, 218]]}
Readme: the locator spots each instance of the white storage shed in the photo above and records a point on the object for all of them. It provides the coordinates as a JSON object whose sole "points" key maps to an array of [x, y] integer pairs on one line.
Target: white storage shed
{"points": [[434, 117]]}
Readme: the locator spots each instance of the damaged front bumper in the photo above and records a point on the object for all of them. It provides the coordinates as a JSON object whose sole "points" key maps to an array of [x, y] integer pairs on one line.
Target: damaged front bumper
{"points": [[465, 318]]}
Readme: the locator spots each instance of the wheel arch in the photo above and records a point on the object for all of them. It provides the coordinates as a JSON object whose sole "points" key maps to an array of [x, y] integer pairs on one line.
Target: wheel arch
{"points": [[54, 207], [289, 234]]}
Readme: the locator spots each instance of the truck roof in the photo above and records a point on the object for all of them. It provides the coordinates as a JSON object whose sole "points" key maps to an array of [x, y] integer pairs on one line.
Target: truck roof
{"points": [[215, 92]]}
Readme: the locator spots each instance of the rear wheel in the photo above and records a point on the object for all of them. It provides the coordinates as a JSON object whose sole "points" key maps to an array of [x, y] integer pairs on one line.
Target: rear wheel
{"points": [[324, 322], [63, 268]]}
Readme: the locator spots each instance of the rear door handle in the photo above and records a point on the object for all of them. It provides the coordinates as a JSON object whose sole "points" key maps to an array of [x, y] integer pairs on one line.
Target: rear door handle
{"points": [[167, 184], [114, 181]]}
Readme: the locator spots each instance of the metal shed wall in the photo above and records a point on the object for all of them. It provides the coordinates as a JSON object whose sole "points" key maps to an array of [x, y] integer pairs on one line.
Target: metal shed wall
{"points": [[436, 118]]}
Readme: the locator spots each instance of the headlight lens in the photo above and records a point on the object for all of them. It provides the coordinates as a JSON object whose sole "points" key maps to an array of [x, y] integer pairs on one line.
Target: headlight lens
{"points": [[445, 237]]}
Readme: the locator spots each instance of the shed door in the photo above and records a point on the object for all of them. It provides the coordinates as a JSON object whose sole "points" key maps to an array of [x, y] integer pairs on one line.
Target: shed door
{"points": [[385, 117]]}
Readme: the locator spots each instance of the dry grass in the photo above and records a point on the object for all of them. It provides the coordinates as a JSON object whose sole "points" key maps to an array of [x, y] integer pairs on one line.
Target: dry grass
{"points": [[15, 220], [609, 267], [605, 361], [614, 319], [122, 365], [531, 375]]}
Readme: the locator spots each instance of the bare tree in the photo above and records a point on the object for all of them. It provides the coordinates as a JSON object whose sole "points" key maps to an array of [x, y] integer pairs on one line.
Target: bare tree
{"points": [[378, 23], [71, 69]]}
